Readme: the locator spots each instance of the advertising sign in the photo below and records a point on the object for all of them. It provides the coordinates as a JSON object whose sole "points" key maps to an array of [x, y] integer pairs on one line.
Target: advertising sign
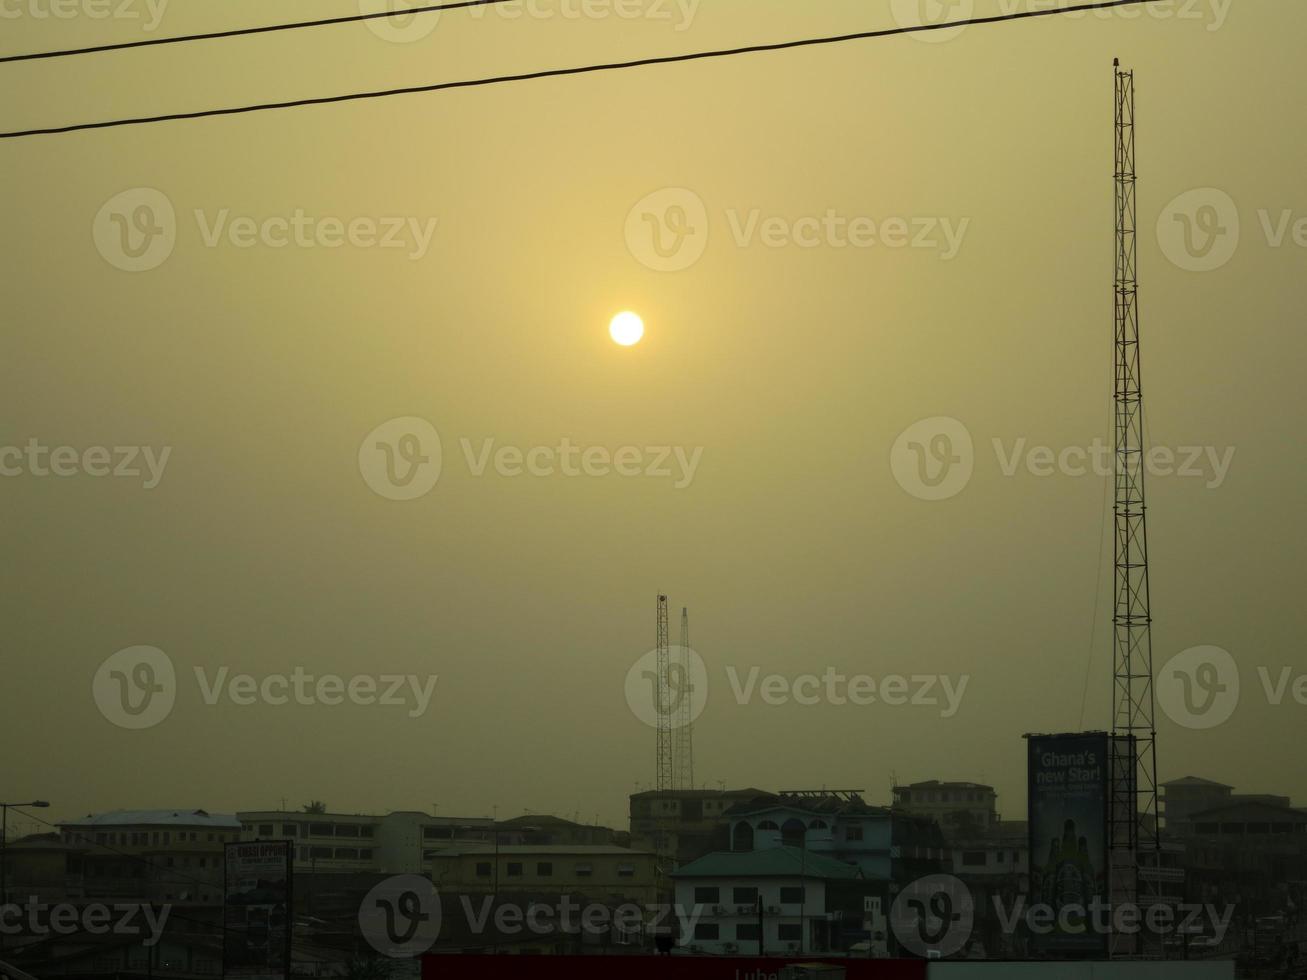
{"points": [[257, 911], [1068, 842]]}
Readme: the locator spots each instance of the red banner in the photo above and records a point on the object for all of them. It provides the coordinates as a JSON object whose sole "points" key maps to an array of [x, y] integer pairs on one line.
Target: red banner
{"points": [[492, 967]]}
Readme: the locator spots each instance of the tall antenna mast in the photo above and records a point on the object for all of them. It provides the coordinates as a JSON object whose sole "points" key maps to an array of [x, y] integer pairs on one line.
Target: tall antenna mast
{"points": [[684, 774], [662, 703], [1133, 840]]}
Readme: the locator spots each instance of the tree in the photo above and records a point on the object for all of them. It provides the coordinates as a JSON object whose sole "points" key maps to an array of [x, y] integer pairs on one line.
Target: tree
{"points": [[315, 806]]}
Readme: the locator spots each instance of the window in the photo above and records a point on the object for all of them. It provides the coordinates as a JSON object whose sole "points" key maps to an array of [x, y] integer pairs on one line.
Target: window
{"points": [[626, 871], [584, 870], [706, 895], [289, 830], [515, 869], [747, 895], [320, 829], [483, 869], [792, 895], [974, 858], [793, 833], [707, 930], [742, 837], [320, 852], [265, 830], [789, 932], [853, 832], [747, 931], [438, 833], [544, 869]]}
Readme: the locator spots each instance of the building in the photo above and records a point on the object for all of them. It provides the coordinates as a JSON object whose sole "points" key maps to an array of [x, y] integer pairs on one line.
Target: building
{"points": [[961, 809], [683, 824], [834, 824], [173, 856], [1178, 799], [539, 828], [1245, 848], [603, 873], [1181, 799], [401, 842], [1256, 853], [995, 867], [776, 901]]}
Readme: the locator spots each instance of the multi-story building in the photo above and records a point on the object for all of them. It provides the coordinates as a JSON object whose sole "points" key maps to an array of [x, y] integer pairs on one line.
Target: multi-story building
{"points": [[834, 824], [401, 842], [961, 809], [601, 873], [888, 847], [781, 900], [683, 824], [1249, 848], [173, 856], [1179, 798], [1000, 854]]}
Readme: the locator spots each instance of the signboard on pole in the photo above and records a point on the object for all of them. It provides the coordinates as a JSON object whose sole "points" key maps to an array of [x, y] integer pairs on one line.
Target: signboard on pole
{"points": [[257, 911], [1068, 799]]}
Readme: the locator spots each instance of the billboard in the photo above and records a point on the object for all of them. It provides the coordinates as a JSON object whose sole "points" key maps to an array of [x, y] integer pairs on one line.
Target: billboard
{"points": [[256, 910], [1068, 799]]}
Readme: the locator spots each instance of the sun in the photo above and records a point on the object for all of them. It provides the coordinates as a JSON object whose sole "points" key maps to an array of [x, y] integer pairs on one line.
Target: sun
{"points": [[626, 329]]}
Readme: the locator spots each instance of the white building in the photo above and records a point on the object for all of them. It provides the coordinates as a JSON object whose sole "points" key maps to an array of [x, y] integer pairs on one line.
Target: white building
{"points": [[778, 901], [401, 842]]}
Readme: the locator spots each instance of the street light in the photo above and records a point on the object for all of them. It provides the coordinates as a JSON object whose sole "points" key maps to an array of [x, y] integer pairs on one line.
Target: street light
{"points": [[4, 849]]}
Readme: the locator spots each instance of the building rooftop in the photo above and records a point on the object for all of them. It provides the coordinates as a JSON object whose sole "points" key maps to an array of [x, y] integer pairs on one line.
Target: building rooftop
{"points": [[824, 805], [532, 821], [936, 784], [156, 818], [773, 862], [1196, 781], [696, 793]]}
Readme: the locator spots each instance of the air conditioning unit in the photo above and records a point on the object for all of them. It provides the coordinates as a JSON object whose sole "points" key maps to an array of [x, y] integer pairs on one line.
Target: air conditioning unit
{"points": [[871, 903], [717, 910], [730, 947], [792, 947], [745, 909], [774, 909]]}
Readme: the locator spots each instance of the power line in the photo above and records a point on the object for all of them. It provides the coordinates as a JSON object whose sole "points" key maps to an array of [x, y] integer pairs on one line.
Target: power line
{"points": [[582, 70], [246, 31]]}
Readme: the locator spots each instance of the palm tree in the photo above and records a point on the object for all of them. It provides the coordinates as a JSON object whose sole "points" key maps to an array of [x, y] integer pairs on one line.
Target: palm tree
{"points": [[315, 806]]}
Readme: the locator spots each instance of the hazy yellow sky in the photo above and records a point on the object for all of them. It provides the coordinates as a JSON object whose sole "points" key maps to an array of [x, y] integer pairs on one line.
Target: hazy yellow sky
{"points": [[786, 361]]}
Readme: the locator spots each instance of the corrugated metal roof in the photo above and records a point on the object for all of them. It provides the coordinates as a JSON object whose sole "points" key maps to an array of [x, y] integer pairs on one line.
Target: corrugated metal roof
{"points": [[773, 862]]}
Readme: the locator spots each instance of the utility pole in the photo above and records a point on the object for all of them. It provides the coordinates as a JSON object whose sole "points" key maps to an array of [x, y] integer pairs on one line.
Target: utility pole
{"points": [[4, 850], [1133, 833], [684, 721]]}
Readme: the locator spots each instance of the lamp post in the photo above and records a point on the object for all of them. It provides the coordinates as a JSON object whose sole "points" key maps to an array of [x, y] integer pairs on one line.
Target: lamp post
{"points": [[4, 850]]}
